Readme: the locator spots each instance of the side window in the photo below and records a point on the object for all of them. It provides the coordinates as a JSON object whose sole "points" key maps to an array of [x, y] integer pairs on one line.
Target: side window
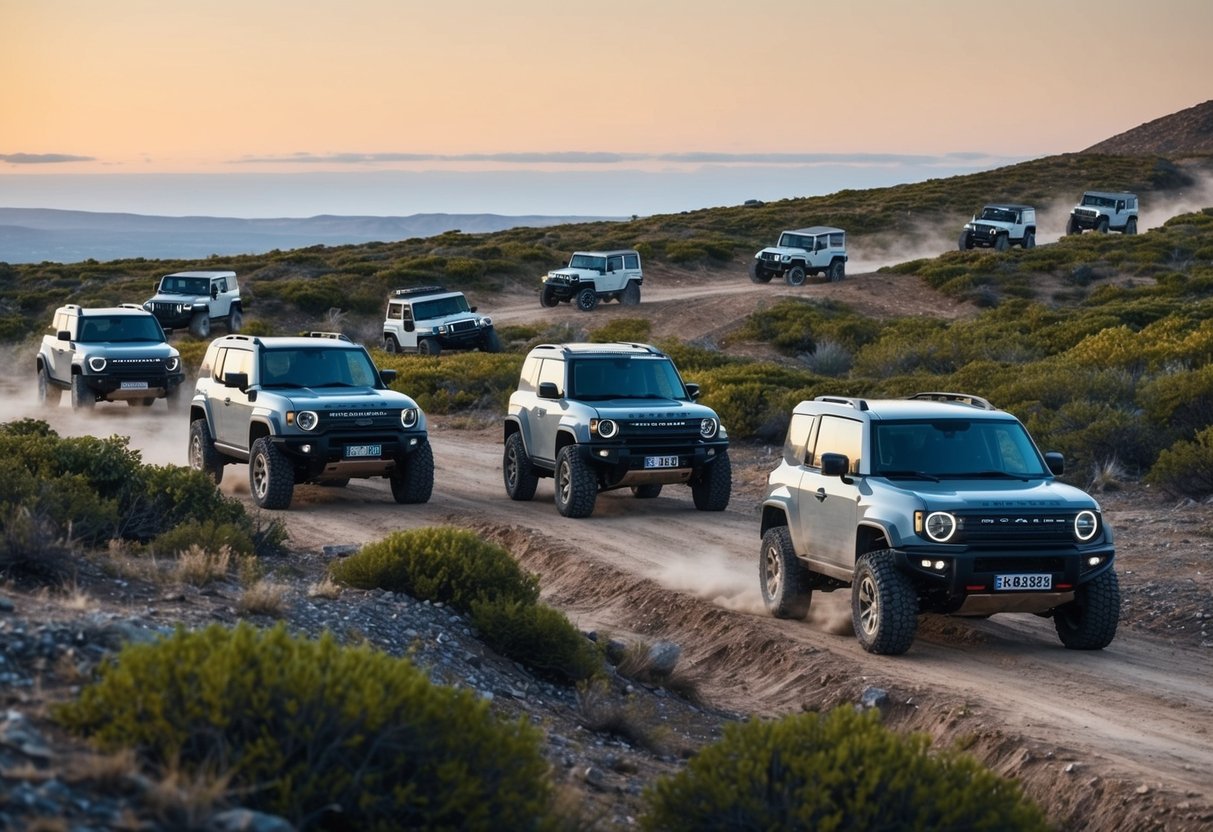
{"points": [[395, 311], [220, 357], [406, 312], [208, 359], [220, 284], [631, 261], [614, 262], [528, 380], [836, 240], [238, 361], [839, 436], [1120, 205], [796, 444], [552, 369]]}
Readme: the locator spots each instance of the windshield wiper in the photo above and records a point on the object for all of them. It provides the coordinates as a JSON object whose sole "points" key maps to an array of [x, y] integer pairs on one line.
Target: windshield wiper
{"points": [[335, 384], [283, 384], [984, 474], [921, 475]]}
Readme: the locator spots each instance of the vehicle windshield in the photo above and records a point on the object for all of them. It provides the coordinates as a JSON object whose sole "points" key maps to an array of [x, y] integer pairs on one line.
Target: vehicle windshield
{"points": [[789, 240], [949, 448], [172, 285], [120, 328], [587, 261], [1098, 201], [997, 214], [625, 377], [316, 367], [423, 310]]}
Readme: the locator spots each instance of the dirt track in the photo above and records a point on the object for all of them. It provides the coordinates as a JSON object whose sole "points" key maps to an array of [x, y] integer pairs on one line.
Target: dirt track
{"points": [[1102, 739]]}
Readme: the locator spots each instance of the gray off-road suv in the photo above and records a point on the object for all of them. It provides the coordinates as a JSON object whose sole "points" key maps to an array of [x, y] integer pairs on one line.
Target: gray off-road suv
{"points": [[107, 354], [197, 300], [999, 227], [800, 253], [603, 416], [429, 319], [1104, 211], [936, 503], [305, 409], [593, 276]]}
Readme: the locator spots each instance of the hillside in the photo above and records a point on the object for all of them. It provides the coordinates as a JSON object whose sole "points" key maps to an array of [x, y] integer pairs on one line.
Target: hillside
{"points": [[1186, 133]]}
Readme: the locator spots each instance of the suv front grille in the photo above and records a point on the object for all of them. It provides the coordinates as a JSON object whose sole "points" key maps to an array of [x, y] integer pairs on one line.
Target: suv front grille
{"points": [[355, 421], [462, 326], [993, 528], [1087, 212], [1024, 564], [641, 428], [133, 366], [770, 256]]}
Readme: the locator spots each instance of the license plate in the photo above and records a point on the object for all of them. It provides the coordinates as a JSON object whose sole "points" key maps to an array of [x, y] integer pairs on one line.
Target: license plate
{"points": [[134, 385], [1021, 582], [661, 462], [363, 450]]}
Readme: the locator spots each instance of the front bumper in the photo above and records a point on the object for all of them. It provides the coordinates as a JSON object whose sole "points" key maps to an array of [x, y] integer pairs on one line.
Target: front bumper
{"points": [[120, 388], [620, 465], [325, 454], [1086, 222], [564, 289], [463, 340]]}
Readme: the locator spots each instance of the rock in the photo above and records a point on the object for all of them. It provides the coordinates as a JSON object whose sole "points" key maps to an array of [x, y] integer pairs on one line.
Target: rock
{"points": [[595, 777], [1143, 789], [340, 550], [663, 657], [246, 820], [6, 605], [1070, 768], [615, 651], [874, 698]]}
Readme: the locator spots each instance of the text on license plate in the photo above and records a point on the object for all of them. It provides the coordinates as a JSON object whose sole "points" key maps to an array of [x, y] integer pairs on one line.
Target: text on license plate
{"points": [[363, 450], [1023, 581], [661, 462], [134, 385]]}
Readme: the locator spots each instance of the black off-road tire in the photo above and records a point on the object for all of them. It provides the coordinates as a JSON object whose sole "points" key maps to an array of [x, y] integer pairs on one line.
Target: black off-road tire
{"points": [[202, 454], [758, 273], [1089, 621], [235, 319], [647, 491], [576, 485], [413, 477], [631, 294], [1102, 226], [1072, 226], [82, 397], [1001, 243], [884, 605], [428, 346], [1029, 240], [48, 394], [587, 299], [783, 577], [516, 470], [390, 344], [271, 478], [491, 342], [547, 298], [712, 488], [837, 271], [964, 242], [1130, 226], [200, 325], [794, 276]]}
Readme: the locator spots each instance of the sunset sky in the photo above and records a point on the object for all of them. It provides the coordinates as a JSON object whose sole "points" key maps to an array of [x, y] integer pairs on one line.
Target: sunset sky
{"points": [[240, 87]]}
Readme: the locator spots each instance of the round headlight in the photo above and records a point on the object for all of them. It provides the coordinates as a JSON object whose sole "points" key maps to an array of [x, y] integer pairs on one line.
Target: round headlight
{"points": [[408, 417], [96, 363], [940, 526], [607, 428], [486, 321], [708, 428], [307, 419], [172, 363], [1086, 524]]}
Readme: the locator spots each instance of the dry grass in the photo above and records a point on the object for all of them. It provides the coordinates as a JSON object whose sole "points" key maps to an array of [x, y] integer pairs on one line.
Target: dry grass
{"points": [[265, 597], [603, 713], [636, 664], [198, 567], [186, 800], [1108, 475], [326, 587]]}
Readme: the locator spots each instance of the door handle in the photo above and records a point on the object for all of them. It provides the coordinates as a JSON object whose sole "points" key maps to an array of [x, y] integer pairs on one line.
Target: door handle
{"points": [[821, 494], [227, 401], [540, 412]]}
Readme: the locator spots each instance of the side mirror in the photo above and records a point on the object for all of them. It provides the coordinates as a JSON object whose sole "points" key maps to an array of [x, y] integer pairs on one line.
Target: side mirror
{"points": [[239, 380], [548, 390], [63, 335], [409, 326], [387, 376], [471, 308], [834, 465], [692, 390], [1056, 463], [214, 291]]}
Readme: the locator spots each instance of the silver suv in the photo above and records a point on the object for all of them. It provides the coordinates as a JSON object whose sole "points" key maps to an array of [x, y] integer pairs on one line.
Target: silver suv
{"points": [[936, 503], [107, 354], [1104, 211], [305, 409], [593, 276], [197, 300], [800, 253], [428, 319], [999, 227], [603, 416]]}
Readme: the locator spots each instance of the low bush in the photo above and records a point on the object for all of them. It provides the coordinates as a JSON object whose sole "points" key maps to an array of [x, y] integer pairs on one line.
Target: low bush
{"points": [[538, 636], [842, 771], [631, 330], [457, 381], [207, 535], [328, 737], [1186, 468]]}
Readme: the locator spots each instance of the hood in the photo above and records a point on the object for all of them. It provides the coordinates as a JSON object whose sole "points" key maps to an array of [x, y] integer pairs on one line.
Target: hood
{"points": [[342, 398], [999, 495], [976, 223], [569, 274], [114, 351], [640, 410], [782, 250]]}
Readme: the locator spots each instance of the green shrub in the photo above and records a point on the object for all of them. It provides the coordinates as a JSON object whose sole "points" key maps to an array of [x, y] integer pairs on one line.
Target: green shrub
{"points": [[631, 330], [539, 637], [439, 563], [842, 771], [1186, 468], [209, 535], [326, 736], [458, 381]]}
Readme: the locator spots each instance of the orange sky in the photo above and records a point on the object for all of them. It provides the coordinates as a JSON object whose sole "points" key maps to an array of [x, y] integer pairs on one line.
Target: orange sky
{"points": [[160, 85]]}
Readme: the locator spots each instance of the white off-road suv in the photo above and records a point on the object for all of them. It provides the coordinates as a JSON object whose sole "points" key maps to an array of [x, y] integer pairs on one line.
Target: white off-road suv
{"points": [[593, 276], [602, 416], [935, 503], [999, 227], [1104, 211], [429, 319], [305, 409], [804, 252], [197, 300]]}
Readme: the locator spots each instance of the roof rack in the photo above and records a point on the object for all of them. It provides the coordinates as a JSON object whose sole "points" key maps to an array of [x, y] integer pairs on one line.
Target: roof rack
{"points": [[959, 398], [858, 404], [417, 290], [340, 336]]}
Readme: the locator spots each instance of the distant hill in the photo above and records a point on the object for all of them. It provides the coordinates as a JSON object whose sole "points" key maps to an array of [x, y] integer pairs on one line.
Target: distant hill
{"points": [[1188, 132], [29, 235]]}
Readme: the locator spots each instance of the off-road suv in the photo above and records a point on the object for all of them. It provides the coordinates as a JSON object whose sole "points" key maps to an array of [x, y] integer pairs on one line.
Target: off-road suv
{"points": [[1104, 211], [801, 253], [197, 300], [936, 503], [999, 227], [305, 409], [603, 416], [429, 319], [107, 354], [593, 276]]}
